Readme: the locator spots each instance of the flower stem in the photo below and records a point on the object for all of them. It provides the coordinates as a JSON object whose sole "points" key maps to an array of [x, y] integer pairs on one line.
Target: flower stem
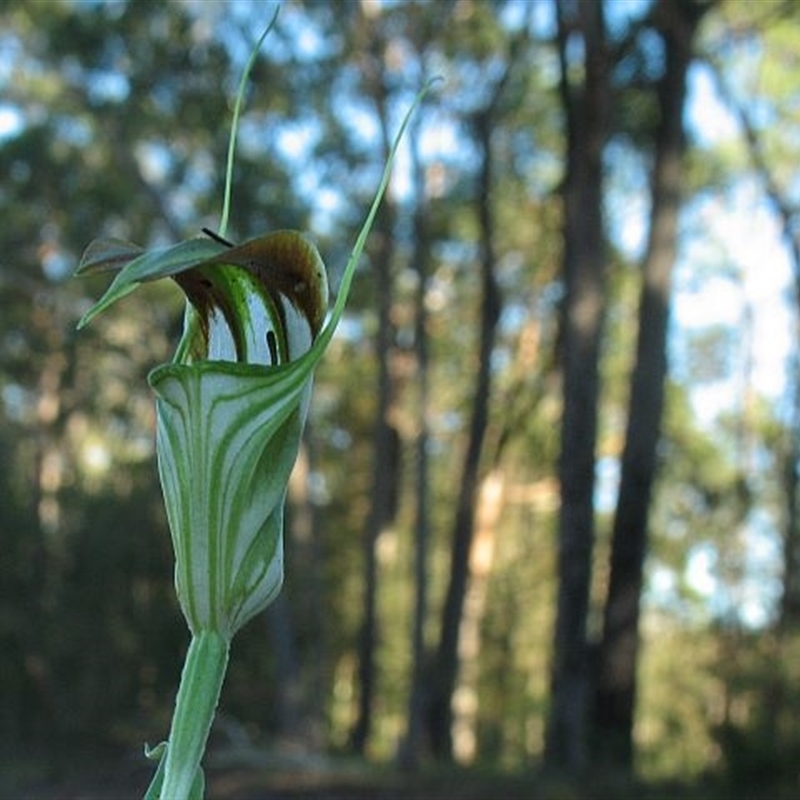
{"points": [[226, 198], [195, 706]]}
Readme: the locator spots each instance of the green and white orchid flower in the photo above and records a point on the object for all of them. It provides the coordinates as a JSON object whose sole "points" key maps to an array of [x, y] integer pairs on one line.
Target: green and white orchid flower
{"points": [[231, 408], [230, 413]]}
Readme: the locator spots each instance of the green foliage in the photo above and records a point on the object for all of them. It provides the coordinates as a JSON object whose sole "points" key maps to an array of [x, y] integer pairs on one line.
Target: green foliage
{"points": [[755, 725]]}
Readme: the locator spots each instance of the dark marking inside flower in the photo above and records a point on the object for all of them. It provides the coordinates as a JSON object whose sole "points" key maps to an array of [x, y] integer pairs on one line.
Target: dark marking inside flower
{"points": [[286, 267], [272, 345]]}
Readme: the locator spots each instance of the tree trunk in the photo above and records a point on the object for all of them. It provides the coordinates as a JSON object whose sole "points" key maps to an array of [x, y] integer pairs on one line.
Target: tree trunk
{"points": [[586, 111], [445, 668], [619, 648], [385, 438], [489, 506], [299, 678], [412, 745], [288, 689], [383, 501]]}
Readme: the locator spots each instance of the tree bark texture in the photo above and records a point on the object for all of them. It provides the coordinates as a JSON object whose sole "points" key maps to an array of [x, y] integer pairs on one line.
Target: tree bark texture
{"points": [[676, 23], [412, 746], [385, 448], [585, 97], [385, 437], [445, 668]]}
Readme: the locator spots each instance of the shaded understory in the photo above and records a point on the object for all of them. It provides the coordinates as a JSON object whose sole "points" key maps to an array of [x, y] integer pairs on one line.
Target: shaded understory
{"points": [[326, 779]]}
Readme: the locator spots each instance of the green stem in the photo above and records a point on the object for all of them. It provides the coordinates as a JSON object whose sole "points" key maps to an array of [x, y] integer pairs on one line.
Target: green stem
{"points": [[195, 706], [226, 198]]}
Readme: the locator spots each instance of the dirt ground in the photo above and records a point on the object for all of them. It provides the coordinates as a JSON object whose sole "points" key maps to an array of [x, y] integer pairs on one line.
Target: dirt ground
{"points": [[248, 784], [349, 780]]}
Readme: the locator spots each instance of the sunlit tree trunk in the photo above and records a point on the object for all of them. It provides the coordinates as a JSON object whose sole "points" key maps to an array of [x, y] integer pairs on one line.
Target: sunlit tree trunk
{"points": [[585, 90], [619, 648], [466, 701]]}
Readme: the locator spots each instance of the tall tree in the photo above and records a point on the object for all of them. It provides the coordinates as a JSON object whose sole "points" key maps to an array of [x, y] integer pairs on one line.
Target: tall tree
{"points": [[584, 86], [445, 665], [412, 745], [676, 24], [385, 439], [446, 660]]}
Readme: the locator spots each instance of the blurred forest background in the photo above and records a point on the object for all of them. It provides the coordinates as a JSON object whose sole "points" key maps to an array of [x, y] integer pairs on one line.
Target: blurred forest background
{"points": [[546, 510]]}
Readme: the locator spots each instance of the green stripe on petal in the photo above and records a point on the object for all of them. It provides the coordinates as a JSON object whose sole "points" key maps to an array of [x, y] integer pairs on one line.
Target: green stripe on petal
{"points": [[227, 437]]}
